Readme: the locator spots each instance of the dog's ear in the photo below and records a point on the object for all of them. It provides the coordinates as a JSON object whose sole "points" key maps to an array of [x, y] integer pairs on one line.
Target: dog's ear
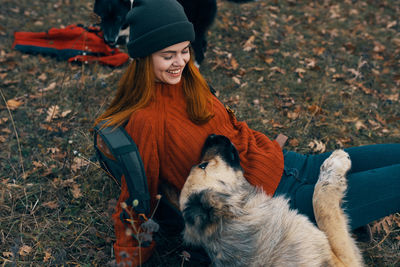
{"points": [[206, 208]]}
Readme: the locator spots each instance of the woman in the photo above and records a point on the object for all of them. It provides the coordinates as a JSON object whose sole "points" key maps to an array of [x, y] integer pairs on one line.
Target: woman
{"points": [[170, 112]]}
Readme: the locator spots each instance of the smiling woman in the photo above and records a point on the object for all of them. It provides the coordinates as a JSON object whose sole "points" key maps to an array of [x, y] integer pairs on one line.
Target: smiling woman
{"points": [[169, 62]]}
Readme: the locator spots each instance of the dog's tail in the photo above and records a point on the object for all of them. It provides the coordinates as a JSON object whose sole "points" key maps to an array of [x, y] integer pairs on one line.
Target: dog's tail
{"points": [[328, 195]]}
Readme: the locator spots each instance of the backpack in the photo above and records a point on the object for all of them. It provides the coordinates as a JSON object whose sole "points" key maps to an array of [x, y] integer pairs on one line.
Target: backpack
{"points": [[127, 162]]}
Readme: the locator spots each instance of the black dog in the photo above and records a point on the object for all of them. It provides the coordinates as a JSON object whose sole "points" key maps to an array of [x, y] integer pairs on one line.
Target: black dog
{"points": [[200, 12], [112, 14]]}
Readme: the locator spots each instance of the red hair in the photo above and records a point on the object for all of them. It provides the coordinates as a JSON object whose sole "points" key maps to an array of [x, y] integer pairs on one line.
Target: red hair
{"points": [[136, 90]]}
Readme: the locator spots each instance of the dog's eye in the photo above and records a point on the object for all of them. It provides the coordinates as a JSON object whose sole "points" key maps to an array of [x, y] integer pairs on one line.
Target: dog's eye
{"points": [[203, 165]]}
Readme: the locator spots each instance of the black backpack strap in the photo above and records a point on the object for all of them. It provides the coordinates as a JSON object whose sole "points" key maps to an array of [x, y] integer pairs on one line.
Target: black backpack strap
{"points": [[128, 162]]}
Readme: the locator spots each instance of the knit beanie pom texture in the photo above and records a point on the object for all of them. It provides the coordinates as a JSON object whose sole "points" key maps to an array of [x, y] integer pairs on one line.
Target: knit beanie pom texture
{"points": [[155, 25]]}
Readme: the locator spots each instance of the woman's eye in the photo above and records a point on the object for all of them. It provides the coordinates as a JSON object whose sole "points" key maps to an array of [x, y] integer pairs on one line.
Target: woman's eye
{"points": [[203, 165], [185, 51]]}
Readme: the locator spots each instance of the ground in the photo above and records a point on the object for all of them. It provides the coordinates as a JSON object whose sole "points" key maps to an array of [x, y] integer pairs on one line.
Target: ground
{"points": [[324, 73]]}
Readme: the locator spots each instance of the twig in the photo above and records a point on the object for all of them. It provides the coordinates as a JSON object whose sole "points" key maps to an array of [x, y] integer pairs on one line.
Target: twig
{"points": [[380, 242], [16, 133], [81, 233]]}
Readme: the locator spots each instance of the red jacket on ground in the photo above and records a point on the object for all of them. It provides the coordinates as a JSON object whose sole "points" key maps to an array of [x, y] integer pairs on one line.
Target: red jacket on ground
{"points": [[72, 43]]}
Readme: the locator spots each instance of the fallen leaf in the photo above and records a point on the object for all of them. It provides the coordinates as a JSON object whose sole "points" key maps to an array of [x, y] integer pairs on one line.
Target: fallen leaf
{"points": [[360, 125], [8, 254], [25, 250], [248, 45], [51, 204], [13, 104], [234, 63], [79, 163], [269, 60], [294, 142], [42, 77], [319, 50], [292, 115], [47, 256], [300, 72], [379, 47], [391, 24], [49, 88], [236, 80], [52, 113], [317, 146], [277, 69], [76, 191]]}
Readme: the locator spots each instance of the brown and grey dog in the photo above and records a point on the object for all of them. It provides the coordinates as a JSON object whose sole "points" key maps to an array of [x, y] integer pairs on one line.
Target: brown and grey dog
{"points": [[239, 225]]}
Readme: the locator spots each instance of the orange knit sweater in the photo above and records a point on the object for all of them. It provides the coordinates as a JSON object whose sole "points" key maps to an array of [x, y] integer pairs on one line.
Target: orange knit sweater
{"points": [[170, 144]]}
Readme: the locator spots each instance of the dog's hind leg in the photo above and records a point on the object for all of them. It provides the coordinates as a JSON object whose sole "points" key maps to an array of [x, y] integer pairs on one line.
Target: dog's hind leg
{"points": [[328, 195]]}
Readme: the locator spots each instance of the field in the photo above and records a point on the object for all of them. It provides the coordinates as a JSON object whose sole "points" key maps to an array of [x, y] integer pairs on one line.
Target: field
{"points": [[324, 73]]}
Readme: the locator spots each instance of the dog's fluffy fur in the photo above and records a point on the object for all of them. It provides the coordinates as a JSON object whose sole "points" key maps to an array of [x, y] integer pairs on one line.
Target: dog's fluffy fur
{"points": [[239, 225]]}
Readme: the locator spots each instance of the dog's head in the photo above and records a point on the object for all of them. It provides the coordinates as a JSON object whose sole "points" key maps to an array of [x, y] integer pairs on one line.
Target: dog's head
{"points": [[112, 14], [206, 197]]}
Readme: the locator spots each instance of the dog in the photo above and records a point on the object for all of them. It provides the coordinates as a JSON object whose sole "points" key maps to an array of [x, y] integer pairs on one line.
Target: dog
{"points": [[112, 15], [201, 13], [239, 225]]}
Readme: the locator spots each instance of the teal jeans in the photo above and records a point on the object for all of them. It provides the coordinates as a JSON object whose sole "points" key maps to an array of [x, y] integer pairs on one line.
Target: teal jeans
{"points": [[373, 182]]}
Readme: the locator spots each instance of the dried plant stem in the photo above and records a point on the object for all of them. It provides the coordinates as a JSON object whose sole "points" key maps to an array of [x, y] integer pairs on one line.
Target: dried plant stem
{"points": [[16, 134]]}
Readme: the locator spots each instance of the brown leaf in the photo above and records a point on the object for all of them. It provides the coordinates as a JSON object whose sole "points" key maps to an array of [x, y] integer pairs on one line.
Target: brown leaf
{"points": [[14, 104], [269, 60], [42, 77], [248, 45], [383, 225], [236, 80], [52, 113], [300, 72], [47, 256], [294, 142], [379, 47], [317, 146], [314, 109], [277, 69], [8, 254], [51, 204], [293, 115], [48, 127], [76, 191], [2, 120], [234, 63], [24, 250], [49, 88], [319, 50], [360, 125], [79, 163]]}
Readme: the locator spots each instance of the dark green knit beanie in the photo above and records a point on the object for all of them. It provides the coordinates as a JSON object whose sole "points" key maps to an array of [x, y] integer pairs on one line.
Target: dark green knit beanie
{"points": [[155, 25]]}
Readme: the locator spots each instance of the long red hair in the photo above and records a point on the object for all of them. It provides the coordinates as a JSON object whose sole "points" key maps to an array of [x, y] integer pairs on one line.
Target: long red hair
{"points": [[136, 90]]}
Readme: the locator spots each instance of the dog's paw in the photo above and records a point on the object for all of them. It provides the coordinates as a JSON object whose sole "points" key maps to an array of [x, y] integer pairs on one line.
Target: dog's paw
{"points": [[334, 169], [338, 163]]}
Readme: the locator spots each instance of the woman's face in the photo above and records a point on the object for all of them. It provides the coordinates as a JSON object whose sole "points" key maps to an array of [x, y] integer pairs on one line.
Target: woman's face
{"points": [[169, 62]]}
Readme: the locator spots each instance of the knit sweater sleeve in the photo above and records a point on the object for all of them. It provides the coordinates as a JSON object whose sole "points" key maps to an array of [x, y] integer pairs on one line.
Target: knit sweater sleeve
{"points": [[126, 247]]}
